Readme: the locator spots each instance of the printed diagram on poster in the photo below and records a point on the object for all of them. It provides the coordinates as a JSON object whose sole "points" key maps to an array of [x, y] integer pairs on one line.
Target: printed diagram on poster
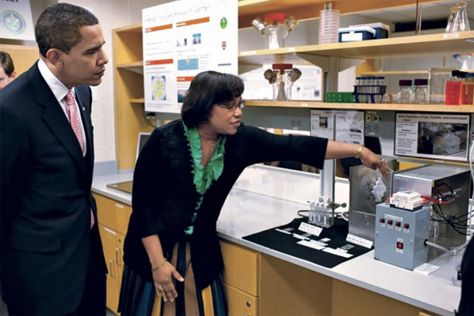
{"points": [[16, 21], [182, 39], [432, 135], [343, 126]]}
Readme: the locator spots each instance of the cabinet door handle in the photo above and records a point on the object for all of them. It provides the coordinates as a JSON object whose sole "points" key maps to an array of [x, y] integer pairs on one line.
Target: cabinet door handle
{"points": [[112, 268], [117, 256], [248, 304]]}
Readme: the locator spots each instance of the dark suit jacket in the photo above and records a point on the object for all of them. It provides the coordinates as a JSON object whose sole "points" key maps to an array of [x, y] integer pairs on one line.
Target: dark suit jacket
{"points": [[45, 198]]}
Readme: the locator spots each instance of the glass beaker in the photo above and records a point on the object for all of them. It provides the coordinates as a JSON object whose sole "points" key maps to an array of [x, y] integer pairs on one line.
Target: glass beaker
{"points": [[461, 21], [452, 16]]}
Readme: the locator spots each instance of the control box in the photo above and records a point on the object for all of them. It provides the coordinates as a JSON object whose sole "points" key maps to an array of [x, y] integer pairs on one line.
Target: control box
{"points": [[400, 235]]}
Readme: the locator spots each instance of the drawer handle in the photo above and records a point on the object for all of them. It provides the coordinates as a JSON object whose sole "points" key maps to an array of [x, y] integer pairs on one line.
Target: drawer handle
{"points": [[112, 268], [248, 304], [117, 255], [118, 205]]}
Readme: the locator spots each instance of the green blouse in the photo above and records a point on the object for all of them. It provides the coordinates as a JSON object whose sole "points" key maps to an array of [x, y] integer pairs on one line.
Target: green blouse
{"points": [[203, 176]]}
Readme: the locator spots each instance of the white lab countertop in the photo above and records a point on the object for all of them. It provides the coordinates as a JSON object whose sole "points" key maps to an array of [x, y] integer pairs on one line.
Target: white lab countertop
{"points": [[266, 197]]}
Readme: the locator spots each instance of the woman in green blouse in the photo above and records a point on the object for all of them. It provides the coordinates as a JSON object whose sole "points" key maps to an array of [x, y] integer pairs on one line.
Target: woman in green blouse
{"points": [[183, 175]]}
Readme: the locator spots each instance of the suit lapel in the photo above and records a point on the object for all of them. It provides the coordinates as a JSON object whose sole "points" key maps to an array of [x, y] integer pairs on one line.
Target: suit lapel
{"points": [[55, 118]]}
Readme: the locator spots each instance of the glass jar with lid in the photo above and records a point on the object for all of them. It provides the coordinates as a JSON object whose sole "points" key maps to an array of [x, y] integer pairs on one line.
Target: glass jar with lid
{"points": [[421, 94], [404, 92]]}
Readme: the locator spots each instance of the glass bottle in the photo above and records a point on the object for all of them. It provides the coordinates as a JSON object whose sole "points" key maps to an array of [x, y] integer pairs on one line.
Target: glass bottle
{"points": [[461, 21], [404, 92], [421, 95], [452, 16]]}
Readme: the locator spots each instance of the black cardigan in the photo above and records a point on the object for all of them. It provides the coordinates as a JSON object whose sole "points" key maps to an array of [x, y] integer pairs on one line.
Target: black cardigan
{"points": [[164, 195]]}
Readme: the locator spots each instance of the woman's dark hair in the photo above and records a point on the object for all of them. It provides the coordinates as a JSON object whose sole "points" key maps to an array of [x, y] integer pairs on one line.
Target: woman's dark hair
{"points": [[207, 89]]}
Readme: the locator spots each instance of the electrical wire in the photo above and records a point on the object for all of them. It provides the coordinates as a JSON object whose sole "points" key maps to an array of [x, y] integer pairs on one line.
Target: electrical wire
{"points": [[303, 211]]}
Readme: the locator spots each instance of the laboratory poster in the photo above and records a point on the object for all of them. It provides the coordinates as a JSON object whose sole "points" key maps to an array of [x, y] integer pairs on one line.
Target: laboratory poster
{"points": [[16, 21], [432, 135], [340, 125], [182, 39]]}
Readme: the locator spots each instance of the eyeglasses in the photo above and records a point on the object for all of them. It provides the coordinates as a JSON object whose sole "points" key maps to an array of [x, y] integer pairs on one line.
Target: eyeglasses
{"points": [[233, 106]]}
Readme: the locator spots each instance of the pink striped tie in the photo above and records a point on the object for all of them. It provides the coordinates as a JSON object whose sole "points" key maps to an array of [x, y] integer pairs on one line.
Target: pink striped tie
{"points": [[73, 116]]}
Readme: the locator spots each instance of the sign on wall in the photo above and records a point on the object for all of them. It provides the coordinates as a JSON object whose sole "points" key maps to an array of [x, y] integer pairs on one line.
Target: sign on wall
{"points": [[182, 39], [16, 21], [441, 136]]}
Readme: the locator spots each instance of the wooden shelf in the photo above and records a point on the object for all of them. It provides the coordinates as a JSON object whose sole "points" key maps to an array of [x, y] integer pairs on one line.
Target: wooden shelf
{"points": [[135, 66], [421, 45], [138, 101], [365, 106], [395, 73]]}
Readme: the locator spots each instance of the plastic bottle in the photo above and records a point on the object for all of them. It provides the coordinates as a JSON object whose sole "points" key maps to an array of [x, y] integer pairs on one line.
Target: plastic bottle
{"points": [[404, 92], [421, 95]]}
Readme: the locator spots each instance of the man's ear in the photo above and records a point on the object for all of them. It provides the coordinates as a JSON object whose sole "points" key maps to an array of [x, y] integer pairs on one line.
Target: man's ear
{"points": [[13, 75], [54, 57]]}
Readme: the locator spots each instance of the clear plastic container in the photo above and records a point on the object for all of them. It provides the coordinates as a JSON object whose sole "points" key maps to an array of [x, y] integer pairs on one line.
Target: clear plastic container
{"points": [[328, 25], [404, 92], [421, 94]]}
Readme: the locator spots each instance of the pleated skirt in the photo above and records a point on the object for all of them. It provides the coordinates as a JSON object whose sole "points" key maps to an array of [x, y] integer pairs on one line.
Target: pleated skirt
{"points": [[138, 297]]}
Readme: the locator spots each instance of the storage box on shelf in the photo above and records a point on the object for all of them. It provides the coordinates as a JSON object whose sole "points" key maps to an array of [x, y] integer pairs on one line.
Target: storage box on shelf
{"points": [[459, 93]]}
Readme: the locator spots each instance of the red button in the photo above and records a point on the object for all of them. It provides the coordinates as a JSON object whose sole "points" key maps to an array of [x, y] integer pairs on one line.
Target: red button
{"points": [[382, 220], [406, 226], [398, 224], [390, 222], [399, 245]]}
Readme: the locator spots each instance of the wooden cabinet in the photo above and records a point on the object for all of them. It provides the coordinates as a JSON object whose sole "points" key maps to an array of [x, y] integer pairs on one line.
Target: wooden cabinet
{"points": [[113, 220], [260, 284], [347, 298], [111, 242], [241, 281]]}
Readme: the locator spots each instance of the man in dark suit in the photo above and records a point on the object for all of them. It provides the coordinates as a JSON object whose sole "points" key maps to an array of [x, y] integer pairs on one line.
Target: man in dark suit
{"points": [[52, 261]]}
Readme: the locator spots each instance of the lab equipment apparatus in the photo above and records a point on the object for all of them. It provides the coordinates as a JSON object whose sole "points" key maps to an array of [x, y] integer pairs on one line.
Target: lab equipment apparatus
{"points": [[275, 27], [282, 77], [400, 235]]}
